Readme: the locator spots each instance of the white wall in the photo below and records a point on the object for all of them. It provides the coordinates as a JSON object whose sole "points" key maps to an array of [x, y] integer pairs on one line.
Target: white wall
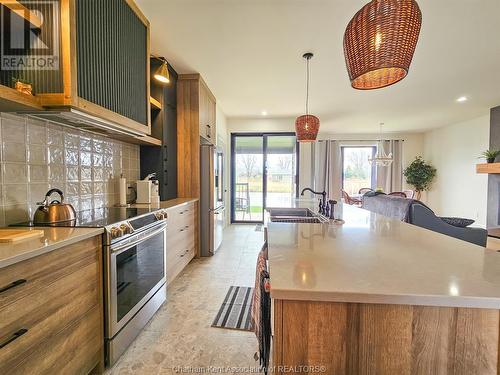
{"points": [[453, 150]]}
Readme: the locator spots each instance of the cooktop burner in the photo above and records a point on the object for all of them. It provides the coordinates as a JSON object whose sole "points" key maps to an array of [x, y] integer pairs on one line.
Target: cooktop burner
{"points": [[96, 218]]}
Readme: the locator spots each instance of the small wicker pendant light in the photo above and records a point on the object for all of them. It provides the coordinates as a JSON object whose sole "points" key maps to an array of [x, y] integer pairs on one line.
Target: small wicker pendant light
{"points": [[307, 126], [379, 42]]}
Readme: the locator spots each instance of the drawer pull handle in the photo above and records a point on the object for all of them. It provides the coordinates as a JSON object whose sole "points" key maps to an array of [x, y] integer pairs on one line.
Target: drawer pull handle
{"points": [[184, 253], [12, 285], [14, 336]]}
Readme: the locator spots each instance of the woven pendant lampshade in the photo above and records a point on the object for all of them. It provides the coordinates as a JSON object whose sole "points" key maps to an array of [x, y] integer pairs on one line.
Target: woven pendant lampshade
{"points": [[379, 42], [307, 126]]}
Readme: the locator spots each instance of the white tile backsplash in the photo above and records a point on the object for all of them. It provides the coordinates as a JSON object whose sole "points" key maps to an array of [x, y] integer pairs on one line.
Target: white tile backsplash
{"points": [[37, 155]]}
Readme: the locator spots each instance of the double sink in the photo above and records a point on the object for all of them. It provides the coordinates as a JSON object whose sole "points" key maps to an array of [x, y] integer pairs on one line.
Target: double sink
{"points": [[295, 215]]}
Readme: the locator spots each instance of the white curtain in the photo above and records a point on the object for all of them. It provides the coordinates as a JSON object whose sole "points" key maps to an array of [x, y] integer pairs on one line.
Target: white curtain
{"points": [[327, 168], [390, 178]]}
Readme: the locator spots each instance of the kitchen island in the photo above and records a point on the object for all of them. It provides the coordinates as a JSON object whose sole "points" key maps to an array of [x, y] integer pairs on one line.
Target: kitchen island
{"points": [[379, 296]]}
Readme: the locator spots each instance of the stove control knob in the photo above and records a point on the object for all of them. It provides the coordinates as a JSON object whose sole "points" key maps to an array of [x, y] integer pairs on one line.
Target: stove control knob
{"points": [[161, 215], [115, 232], [125, 229]]}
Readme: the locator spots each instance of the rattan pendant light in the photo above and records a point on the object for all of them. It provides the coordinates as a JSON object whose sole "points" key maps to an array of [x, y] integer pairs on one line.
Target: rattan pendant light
{"points": [[307, 126], [379, 42]]}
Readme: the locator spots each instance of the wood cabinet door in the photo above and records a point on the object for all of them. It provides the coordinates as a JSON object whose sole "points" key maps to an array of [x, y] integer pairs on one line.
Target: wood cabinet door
{"points": [[203, 111], [207, 114]]}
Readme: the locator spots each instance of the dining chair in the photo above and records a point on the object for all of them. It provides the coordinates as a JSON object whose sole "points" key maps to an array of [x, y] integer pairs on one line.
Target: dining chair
{"points": [[349, 200], [398, 194], [410, 194], [364, 190]]}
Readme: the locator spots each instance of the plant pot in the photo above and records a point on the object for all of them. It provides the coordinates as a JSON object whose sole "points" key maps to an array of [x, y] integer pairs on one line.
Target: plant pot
{"points": [[490, 160]]}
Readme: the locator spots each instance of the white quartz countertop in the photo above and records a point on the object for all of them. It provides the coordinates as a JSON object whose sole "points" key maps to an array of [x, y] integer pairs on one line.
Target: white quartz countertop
{"points": [[375, 259], [53, 238]]}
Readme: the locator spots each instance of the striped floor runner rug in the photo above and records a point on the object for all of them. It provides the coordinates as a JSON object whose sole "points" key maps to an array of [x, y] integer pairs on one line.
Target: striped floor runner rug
{"points": [[235, 310]]}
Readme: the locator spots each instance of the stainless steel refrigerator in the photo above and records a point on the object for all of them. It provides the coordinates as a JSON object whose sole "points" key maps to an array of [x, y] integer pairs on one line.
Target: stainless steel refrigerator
{"points": [[212, 208]]}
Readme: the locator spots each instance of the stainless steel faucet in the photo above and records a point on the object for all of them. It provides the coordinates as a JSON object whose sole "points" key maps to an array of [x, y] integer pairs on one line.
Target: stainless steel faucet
{"points": [[322, 202]]}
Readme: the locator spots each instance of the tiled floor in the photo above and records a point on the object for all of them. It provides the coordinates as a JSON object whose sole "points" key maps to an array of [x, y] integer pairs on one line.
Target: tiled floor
{"points": [[179, 337]]}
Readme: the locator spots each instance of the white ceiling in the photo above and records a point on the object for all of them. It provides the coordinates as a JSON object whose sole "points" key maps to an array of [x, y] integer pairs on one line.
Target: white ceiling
{"points": [[249, 52]]}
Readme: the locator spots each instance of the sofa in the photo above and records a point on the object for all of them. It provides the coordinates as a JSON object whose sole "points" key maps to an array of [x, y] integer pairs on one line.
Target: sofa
{"points": [[417, 213]]}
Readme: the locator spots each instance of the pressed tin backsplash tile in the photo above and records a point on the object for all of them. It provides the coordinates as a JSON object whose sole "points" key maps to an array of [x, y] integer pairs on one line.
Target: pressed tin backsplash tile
{"points": [[38, 155]]}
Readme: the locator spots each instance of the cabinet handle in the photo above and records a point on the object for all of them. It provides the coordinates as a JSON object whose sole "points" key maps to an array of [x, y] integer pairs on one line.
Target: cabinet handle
{"points": [[13, 337], [12, 285]]}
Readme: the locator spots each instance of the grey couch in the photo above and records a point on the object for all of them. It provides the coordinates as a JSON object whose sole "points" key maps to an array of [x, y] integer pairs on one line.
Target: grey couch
{"points": [[417, 213]]}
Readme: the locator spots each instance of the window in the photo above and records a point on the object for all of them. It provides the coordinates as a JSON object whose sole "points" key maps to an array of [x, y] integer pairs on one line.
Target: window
{"points": [[357, 172]]}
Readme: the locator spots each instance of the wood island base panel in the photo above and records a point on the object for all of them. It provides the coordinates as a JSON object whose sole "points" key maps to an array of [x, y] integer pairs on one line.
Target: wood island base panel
{"points": [[353, 338]]}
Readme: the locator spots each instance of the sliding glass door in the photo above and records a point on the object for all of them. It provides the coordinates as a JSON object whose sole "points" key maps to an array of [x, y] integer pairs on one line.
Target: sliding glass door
{"points": [[264, 174], [247, 200]]}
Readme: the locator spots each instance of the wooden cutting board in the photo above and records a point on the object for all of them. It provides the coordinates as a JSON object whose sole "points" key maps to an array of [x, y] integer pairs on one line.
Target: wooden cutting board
{"points": [[14, 235]]}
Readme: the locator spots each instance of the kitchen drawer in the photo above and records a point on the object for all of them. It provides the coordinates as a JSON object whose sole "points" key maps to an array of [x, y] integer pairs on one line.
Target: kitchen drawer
{"points": [[175, 224], [179, 247], [182, 211], [61, 353], [32, 276], [175, 267], [48, 303]]}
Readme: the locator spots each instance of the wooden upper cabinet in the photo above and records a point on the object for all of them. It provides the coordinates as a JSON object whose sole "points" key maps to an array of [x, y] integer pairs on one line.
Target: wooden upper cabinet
{"points": [[195, 124], [207, 113], [103, 64]]}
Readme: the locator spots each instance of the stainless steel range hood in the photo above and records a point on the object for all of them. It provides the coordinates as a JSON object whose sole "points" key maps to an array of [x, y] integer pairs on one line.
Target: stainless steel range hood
{"points": [[78, 119]]}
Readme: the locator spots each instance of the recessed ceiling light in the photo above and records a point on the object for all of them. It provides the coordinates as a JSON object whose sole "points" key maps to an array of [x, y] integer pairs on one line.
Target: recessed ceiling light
{"points": [[264, 113], [462, 99]]}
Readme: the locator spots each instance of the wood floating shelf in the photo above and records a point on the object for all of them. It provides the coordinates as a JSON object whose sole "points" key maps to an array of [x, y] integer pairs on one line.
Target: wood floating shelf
{"points": [[488, 168], [147, 140], [155, 104], [13, 100]]}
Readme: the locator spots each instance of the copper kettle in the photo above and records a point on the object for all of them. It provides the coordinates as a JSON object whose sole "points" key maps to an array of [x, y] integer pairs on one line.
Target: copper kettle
{"points": [[54, 212]]}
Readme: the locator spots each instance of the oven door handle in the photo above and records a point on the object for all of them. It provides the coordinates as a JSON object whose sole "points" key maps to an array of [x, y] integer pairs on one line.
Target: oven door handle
{"points": [[121, 248]]}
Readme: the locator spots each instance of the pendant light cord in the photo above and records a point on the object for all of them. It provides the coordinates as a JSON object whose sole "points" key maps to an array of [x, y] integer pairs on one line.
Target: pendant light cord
{"points": [[307, 86]]}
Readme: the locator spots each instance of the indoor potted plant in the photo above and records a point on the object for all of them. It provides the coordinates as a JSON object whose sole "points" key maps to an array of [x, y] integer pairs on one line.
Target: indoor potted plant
{"points": [[490, 155], [419, 174]]}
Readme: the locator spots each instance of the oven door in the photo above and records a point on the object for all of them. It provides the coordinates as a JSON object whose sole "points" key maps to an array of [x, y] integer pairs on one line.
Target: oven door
{"points": [[135, 271]]}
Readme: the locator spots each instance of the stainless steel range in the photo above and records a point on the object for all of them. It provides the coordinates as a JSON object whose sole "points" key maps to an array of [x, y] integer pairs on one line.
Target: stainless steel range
{"points": [[134, 269], [134, 278]]}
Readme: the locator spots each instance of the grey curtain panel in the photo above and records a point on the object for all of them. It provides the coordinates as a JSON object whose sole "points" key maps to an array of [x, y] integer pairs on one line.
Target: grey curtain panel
{"points": [[327, 171], [390, 178]]}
